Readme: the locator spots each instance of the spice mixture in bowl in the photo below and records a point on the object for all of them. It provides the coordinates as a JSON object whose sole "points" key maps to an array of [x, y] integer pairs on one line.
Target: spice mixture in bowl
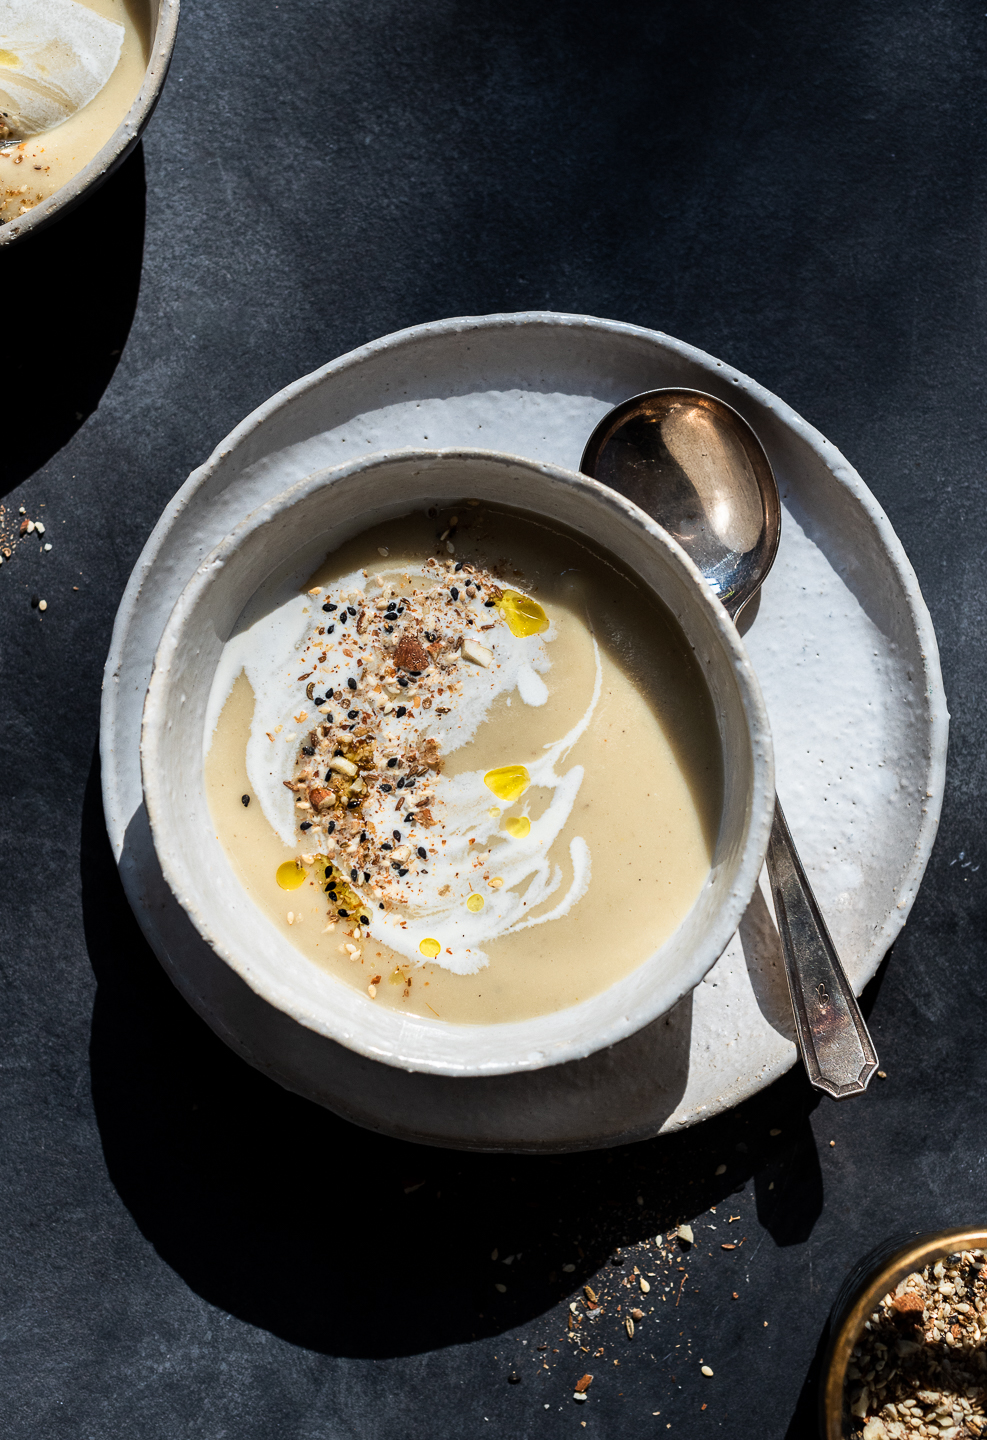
{"points": [[912, 1361], [477, 784]]}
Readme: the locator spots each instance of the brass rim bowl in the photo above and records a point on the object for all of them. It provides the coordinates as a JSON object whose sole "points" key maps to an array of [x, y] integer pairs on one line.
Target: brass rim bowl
{"points": [[859, 1296], [299, 528], [164, 27]]}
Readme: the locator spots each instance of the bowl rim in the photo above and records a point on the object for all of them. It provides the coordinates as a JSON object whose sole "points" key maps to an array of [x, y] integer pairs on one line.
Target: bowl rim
{"points": [[529, 1050], [120, 143], [909, 1252]]}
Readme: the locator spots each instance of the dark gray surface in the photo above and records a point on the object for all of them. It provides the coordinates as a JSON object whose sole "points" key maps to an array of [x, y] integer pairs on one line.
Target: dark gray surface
{"points": [[188, 1251]]}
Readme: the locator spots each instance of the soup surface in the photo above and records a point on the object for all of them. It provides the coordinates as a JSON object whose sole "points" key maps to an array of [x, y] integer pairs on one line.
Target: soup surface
{"points": [[480, 786], [34, 166]]}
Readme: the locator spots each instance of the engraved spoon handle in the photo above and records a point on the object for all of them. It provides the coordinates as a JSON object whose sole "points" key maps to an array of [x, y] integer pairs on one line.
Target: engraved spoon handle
{"points": [[833, 1039]]}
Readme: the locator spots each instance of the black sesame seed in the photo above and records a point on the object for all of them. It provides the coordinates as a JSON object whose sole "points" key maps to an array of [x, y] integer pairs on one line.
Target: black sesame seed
{"points": [[387, 845], [366, 877], [400, 712], [414, 674], [318, 699], [364, 919], [403, 682], [345, 914], [352, 714], [307, 750], [329, 718], [401, 782], [330, 827], [454, 592], [397, 835], [343, 617], [330, 630], [410, 783], [328, 774], [353, 874], [459, 566], [328, 694], [245, 801], [392, 762], [389, 629], [363, 836], [351, 610], [381, 905], [403, 870], [488, 604], [328, 608], [351, 683], [386, 788], [336, 752], [305, 825], [353, 804], [423, 852], [429, 638]]}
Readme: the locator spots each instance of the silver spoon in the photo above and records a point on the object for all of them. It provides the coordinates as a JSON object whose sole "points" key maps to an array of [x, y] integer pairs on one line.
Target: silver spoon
{"points": [[696, 466]]}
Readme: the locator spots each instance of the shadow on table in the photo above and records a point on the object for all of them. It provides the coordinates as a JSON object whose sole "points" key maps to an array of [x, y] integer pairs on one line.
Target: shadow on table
{"points": [[69, 297], [353, 1244]]}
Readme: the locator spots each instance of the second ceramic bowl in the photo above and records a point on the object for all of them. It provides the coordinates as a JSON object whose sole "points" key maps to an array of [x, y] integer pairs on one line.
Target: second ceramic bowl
{"points": [[312, 519]]}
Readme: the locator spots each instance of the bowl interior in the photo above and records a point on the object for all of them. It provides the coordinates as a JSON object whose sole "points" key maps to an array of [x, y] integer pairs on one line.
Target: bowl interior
{"points": [[163, 27], [303, 525]]}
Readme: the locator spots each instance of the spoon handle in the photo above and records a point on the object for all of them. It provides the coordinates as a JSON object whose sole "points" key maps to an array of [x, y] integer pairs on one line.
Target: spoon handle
{"points": [[834, 1042]]}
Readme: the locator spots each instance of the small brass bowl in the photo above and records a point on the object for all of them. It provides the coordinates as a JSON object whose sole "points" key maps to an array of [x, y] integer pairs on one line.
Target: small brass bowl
{"points": [[859, 1296]]}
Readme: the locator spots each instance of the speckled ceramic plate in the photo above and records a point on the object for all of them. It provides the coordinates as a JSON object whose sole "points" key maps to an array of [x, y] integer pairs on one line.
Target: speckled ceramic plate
{"points": [[842, 643]]}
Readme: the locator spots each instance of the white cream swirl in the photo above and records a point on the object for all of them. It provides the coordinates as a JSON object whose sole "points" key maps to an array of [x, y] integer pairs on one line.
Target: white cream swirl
{"points": [[267, 645]]}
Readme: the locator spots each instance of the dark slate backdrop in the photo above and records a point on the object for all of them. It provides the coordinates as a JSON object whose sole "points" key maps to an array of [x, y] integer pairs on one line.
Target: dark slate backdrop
{"points": [[797, 188]]}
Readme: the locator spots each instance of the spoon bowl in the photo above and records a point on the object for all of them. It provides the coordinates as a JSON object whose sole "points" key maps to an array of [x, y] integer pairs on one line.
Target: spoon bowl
{"points": [[696, 465]]}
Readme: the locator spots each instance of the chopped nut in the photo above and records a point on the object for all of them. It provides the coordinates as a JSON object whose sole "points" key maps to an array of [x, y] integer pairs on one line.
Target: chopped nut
{"points": [[476, 653], [342, 766], [411, 655], [583, 1384]]}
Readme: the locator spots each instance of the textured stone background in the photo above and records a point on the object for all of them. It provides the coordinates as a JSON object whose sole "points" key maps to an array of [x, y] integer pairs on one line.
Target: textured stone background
{"points": [[798, 188]]}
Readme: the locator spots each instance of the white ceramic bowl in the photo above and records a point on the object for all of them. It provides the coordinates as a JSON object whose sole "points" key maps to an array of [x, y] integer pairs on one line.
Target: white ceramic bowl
{"points": [[308, 521], [164, 28]]}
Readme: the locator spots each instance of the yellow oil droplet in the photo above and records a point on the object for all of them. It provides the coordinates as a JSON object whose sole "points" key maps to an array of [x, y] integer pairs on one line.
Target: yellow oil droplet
{"points": [[518, 825], [475, 903], [509, 782], [430, 948], [396, 977], [524, 616], [290, 875], [493, 812]]}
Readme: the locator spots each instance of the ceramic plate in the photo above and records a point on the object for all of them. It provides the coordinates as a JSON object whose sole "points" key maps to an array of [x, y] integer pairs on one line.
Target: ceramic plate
{"points": [[842, 643]]}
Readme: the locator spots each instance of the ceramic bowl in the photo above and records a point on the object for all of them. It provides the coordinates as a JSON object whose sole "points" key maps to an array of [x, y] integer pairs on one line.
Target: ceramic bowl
{"points": [[164, 28], [305, 523]]}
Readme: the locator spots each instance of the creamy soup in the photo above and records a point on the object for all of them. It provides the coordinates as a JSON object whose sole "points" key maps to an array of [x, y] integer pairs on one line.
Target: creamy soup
{"points": [[480, 786], [34, 166]]}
